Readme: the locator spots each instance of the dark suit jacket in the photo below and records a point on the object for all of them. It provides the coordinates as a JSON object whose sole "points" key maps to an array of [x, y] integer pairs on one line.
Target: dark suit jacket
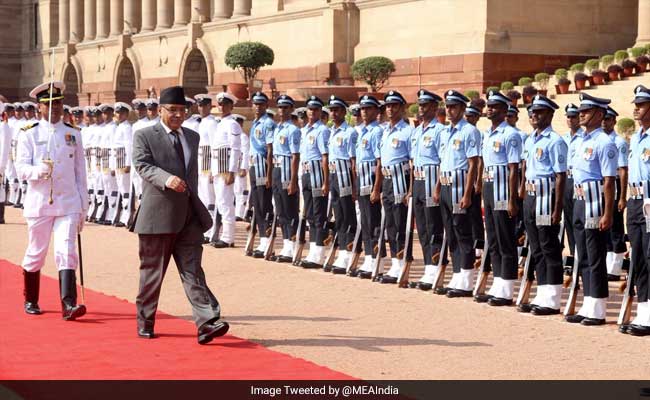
{"points": [[163, 210]]}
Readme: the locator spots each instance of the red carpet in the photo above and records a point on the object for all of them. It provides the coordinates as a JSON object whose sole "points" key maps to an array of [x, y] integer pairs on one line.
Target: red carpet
{"points": [[104, 345]]}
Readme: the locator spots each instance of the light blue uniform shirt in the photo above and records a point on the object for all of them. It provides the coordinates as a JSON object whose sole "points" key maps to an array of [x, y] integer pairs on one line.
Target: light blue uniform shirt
{"points": [[545, 154], [286, 139], [571, 141], [457, 144], [396, 144], [524, 138], [501, 146], [639, 160], [315, 140], [261, 135], [425, 143], [343, 142], [369, 142], [621, 146], [596, 157]]}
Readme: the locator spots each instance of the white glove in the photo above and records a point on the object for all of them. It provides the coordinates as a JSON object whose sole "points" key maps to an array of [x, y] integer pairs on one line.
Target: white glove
{"points": [[45, 170], [80, 224]]}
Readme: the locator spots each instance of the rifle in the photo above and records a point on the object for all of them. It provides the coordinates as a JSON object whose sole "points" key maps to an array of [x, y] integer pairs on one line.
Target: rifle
{"points": [[250, 240], [404, 274], [484, 268], [628, 297], [570, 307], [332, 241], [438, 280], [354, 260], [299, 242], [526, 282], [380, 243], [268, 254]]}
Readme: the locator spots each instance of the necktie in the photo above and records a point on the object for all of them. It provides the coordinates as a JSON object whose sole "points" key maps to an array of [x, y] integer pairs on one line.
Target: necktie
{"points": [[179, 149]]}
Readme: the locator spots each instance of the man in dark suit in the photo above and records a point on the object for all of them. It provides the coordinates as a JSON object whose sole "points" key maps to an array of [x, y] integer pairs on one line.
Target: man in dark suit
{"points": [[171, 218]]}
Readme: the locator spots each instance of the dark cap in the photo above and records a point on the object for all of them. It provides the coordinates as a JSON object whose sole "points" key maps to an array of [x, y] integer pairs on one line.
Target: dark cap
{"points": [[173, 95]]}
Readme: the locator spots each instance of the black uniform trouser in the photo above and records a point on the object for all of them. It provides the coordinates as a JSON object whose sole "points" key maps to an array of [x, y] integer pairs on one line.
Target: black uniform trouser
{"points": [[261, 197], [345, 215], [370, 225], [315, 212], [396, 215], [458, 229], [286, 206], [568, 215], [428, 221], [476, 214], [502, 244], [545, 250], [592, 250], [640, 246], [616, 235]]}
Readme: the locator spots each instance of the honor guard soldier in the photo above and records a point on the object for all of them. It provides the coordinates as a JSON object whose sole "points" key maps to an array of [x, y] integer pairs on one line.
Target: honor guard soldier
{"points": [[426, 164], [225, 143], [15, 123], [261, 163], [5, 149], [121, 162], [315, 180], [286, 159], [153, 113], [341, 157], [545, 158], [192, 120], [512, 118], [67, 114], [472, 115], [369, 184], [78, 117], [572, 138], [108, 173], [240, 185], [51, 159], [396, 185], [594, 173], [638, 215], [144, 108], [355, 111], [91, 139], [206, 186], [459, 149], [9, 171], [616, 247]]}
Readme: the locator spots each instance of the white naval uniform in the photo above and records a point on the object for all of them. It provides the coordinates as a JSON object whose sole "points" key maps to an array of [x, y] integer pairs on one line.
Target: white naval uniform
{"points": [[69, 193], [86, 133], [206, 188], [10, 170], [241, 182], [136, 180], [21, 125], [192, 123], [120, 162], [108, 174], [94, 137], [225, 144], [5, 155]]}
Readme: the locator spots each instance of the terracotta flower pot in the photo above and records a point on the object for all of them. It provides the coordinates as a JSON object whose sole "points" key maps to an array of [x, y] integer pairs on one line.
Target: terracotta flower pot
{"points": [[591, 80], [562, 89], [580, 84], [642, 67], [239, 90], [628, 71], [599, 79], [613, 75]]}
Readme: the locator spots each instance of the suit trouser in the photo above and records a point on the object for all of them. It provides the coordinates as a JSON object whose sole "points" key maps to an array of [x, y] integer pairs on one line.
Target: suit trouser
{"points": [[544, 244], [345, 216], [568, 215], [123, 181], [186, 248], [458, 228], [40, 231], [502, 244], [616, 235], [640, 249], [261, 197], [286, 206], [370, 225], [396, 215], [428, 221], [592, 250], [315, 212], [476, 214], [225, 202]]}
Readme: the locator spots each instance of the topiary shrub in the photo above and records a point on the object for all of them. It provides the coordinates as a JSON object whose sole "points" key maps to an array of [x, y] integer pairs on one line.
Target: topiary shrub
{"points": [[491, 89], [525, 81], [542, 80], [413, 110], [578, 67], [620, 55], [472, 94], [561, 73], [625, 126], [375, 71], [507, 85], [647, 49], [592, 64], [607, 60], [248, 58], [637, 51]]}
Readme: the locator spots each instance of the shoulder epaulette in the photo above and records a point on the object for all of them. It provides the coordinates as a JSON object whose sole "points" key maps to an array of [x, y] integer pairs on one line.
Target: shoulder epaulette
{"points": [[71, 126], [29, 126]]}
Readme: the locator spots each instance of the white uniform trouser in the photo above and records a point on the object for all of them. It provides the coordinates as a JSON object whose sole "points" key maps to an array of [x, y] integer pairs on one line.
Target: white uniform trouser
{"points": [[241, 182], [123, 181], [65, 239], [14, 186], [225, 202], [206, 195], [3, 188], [90, 181], [110, 191], [136, 181], [99, 193]]}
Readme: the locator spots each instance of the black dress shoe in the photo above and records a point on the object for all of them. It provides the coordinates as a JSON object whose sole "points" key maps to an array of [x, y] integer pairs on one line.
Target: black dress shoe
{"points": [[441, 290], [146, 333], [593, 321], [119, 225], [625, 328], [639, 330], [388, 279], [284, 259], [424, 286], [537, 310], [459, 293], [239, 219], [211, 330], [339, 270], [71, 313], [613, 278], [365, 274], [524, 307], [32, 308], [220, 244], [574, 319], [258, 254], [327, 268], [499, 302], [310, 265], [206, 240], [482, 298]]}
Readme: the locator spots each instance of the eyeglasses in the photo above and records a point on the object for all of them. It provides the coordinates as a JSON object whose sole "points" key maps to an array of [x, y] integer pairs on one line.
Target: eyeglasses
{"points": [[174, 110]]}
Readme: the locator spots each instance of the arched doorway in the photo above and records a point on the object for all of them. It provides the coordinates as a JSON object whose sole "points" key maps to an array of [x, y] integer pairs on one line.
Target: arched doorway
{"points": [[195, 74], [125, 82], [71, 81]]}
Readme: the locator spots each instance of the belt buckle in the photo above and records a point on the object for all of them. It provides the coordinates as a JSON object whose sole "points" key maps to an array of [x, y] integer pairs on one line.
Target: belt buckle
{"points": [[530, 187], [580, 192]]}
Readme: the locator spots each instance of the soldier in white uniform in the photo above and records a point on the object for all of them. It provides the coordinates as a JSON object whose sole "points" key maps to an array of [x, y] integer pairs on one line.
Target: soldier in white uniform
{"points": [[225, 144], [120, 162], [206, 189], [51, 158], [193, 119], [91, 135], [107, 173], [78, 117], [5, 149], [15, 123], [241, 193], [140, 107]]}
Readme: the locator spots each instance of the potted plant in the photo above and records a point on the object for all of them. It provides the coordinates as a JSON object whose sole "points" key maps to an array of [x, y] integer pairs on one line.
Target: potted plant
{"points": [[525, 81], [577, 67], [542, 80], [591, 65], [514, 96], [598, 76], [507, 85], [248, 58], [606, 61], [625, 126], [642, 62], [580, 78], [374, 71], [637, 51], [614, 71], [620, 55], [561, 77], [472, 94], [628, 67], [528, 93], [491, 89]]}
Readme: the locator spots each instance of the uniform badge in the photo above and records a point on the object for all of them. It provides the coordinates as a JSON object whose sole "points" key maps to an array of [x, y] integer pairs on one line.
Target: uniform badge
{"points": [[589, 151], [611, 154], [339, 141], [560, 158], [258, 133], [456, 144], [69, 139], [283, 139], [645, 156], [311, 139], [395, 143], [428, 141], [364, 143], [538, 153], [496, 146]]}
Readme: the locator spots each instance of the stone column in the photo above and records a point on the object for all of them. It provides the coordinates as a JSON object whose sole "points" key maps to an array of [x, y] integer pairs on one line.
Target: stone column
{"points": [[222, 9], [131, 17], [76, 21], [181, 12], [117, 17], [165, 14], [64, 22], [103, 14], [200, 10], [643, 36], [90, 20], [148, 15], [241, 8]]}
